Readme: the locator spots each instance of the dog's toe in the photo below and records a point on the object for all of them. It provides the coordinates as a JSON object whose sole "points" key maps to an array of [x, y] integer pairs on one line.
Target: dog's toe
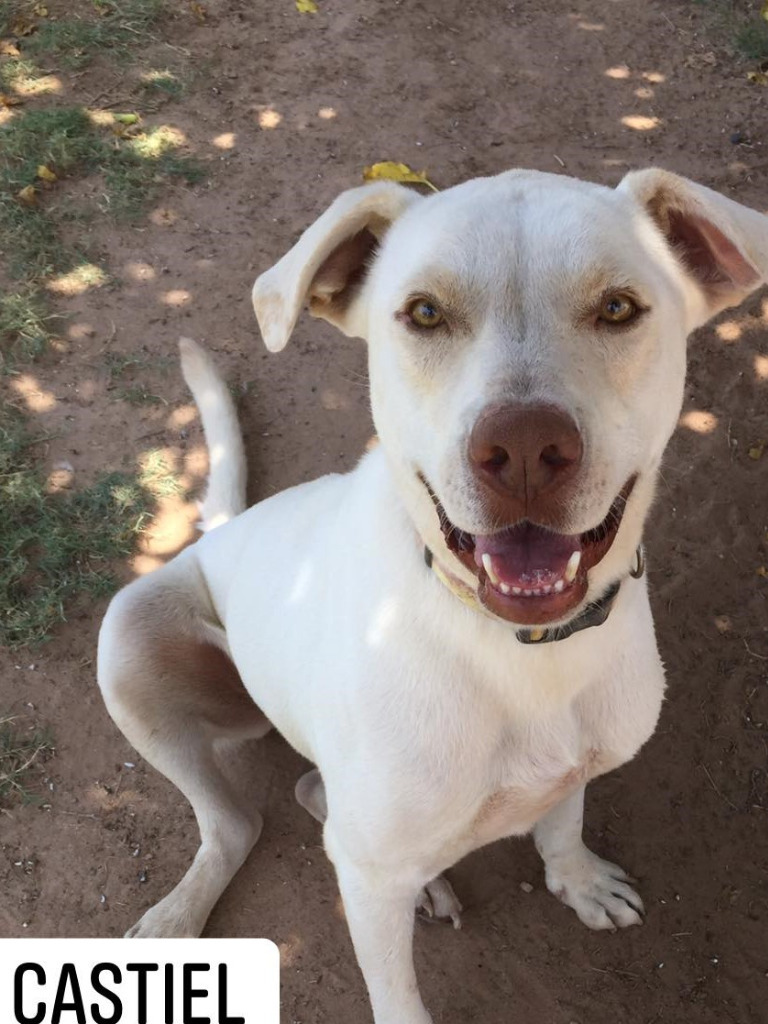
{"points": [[438, 902], [597, 890]]}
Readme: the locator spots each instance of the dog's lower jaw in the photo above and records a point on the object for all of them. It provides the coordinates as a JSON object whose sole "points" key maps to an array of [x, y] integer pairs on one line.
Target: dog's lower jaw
{"points": [[589, 572]]}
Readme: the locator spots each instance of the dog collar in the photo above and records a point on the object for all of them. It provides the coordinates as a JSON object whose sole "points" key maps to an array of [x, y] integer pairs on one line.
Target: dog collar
{"points": [[594, 614]]}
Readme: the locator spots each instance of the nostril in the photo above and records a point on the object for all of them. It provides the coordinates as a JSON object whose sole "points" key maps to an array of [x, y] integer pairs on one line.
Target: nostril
{"points": [[554, 457], [497, 458]]}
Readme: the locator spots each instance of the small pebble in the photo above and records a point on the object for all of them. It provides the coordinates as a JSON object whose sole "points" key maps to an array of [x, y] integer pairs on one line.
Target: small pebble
{"points": [[142, 876], [526, 887]]}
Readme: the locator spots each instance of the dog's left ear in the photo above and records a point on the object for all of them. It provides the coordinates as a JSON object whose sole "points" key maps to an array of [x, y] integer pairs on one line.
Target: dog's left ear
{"points": [[722, 245], [328, 263]]}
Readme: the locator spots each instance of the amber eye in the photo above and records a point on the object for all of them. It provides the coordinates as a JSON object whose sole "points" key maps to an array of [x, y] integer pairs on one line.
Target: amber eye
{"points": [[618, 309], [424, 313]]}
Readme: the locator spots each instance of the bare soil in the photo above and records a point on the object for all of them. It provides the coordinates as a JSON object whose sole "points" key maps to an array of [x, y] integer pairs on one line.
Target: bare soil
{"points": [[286, 109]]}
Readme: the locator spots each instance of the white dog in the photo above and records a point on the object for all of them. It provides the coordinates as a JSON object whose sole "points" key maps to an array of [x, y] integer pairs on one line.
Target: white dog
{"points": [[457, 633]]}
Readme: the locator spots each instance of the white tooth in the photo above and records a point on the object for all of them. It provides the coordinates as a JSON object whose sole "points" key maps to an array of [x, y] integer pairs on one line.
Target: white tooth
{"points": [[573, 567], [546, 590], [504, 588], [528, 593], [558, 586], [488, 566], [516, 591]]}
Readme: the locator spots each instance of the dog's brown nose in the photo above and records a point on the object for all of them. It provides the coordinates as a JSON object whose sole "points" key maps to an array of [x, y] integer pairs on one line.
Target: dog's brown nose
{"points": [[524, 452]]}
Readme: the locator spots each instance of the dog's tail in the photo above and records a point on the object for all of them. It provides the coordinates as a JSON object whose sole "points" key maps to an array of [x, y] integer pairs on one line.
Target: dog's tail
{"points": [[225, 497]]}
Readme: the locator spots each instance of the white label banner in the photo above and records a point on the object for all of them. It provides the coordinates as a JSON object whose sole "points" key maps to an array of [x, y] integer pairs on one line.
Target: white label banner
{"points": [[144, 981]]}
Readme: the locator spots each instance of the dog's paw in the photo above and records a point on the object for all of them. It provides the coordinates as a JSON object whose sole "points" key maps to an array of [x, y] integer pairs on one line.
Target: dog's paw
{"points": [[597, 890], [166, 920], [438, 902]]}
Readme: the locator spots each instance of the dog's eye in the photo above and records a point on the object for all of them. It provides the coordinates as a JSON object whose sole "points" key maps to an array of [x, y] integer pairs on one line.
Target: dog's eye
{"points": [[424, 313], [618, 309]]}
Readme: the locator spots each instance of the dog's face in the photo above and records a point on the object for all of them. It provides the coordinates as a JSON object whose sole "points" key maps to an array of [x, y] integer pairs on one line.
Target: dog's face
{"points": [[527, 358]]}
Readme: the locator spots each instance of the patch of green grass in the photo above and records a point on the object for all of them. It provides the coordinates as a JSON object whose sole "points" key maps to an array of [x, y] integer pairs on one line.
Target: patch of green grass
{"points": [[21, 753], [162, 83], [66, 141], [740, 24], [752, 40], [112, 29], [24, 327], [56, 546], [139, 394]]}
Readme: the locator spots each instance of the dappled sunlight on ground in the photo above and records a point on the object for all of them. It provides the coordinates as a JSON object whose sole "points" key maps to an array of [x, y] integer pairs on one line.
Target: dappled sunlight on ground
{"points": [[77, 281], [176, 297], [182, 417], [699, 421], [729, 331], [225, 141], [326, 113], [42, 86], [36, 398], [640, 123], [269, 118], [80, 330], [290, 950], [761, 367], [163, 216], [139, 271]]}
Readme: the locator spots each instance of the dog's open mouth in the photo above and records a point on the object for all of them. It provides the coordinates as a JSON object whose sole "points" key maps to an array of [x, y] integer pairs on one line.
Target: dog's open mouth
{"points": [[530, 574]]}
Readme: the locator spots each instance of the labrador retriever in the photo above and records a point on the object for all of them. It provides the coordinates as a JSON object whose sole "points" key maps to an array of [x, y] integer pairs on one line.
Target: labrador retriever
{"points": [[457, 633]]}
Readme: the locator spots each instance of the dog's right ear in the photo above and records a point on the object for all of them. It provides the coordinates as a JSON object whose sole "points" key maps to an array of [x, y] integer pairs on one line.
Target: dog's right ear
{"points": [[328, 263]]}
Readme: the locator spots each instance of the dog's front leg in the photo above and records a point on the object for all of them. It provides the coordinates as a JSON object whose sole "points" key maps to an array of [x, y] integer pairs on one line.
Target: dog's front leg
{"points": [[379, 907], [596, 889]]}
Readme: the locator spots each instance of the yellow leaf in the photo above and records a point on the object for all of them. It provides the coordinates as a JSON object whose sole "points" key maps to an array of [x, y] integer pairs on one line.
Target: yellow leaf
{"points": [[46, 174], [306, 6], [8, 49], [27, 195], [199, 11], [762, 571], [757, 449], [389, 170], [758, 77], [126, 118], [764, 11], [40, 10]]}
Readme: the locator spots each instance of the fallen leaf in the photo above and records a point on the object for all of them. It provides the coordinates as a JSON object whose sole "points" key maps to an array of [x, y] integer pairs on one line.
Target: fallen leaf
{"points": [[764, 11], [9, 101], [40, 10], [762, 571], [126, 118], [306, 6], [46, 174], [723, 624], [27, 195], [389, 170], [757, 449], [8, 48], [199, 11], [758, 77]]}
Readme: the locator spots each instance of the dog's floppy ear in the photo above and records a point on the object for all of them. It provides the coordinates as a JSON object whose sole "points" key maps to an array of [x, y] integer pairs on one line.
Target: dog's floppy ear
{"points": [[328, 263], [722, 245]]}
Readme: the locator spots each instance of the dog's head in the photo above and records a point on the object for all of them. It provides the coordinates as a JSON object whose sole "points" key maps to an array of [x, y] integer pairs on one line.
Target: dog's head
{"points": [[527, 342]]}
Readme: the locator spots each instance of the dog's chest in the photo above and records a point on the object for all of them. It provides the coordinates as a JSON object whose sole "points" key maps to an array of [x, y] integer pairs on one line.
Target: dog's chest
{"points": [[531, 787]]}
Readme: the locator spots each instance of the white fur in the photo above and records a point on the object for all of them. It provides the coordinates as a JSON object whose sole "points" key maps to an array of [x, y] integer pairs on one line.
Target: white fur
{"points": [[434, 729]]}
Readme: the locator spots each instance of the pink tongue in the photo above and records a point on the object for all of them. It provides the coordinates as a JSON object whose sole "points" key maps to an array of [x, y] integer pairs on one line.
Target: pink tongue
{"points": [[527, 555]]}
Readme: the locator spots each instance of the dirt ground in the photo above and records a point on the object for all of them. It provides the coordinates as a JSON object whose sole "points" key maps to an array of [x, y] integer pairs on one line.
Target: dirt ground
{"points": [[286, 109]]}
